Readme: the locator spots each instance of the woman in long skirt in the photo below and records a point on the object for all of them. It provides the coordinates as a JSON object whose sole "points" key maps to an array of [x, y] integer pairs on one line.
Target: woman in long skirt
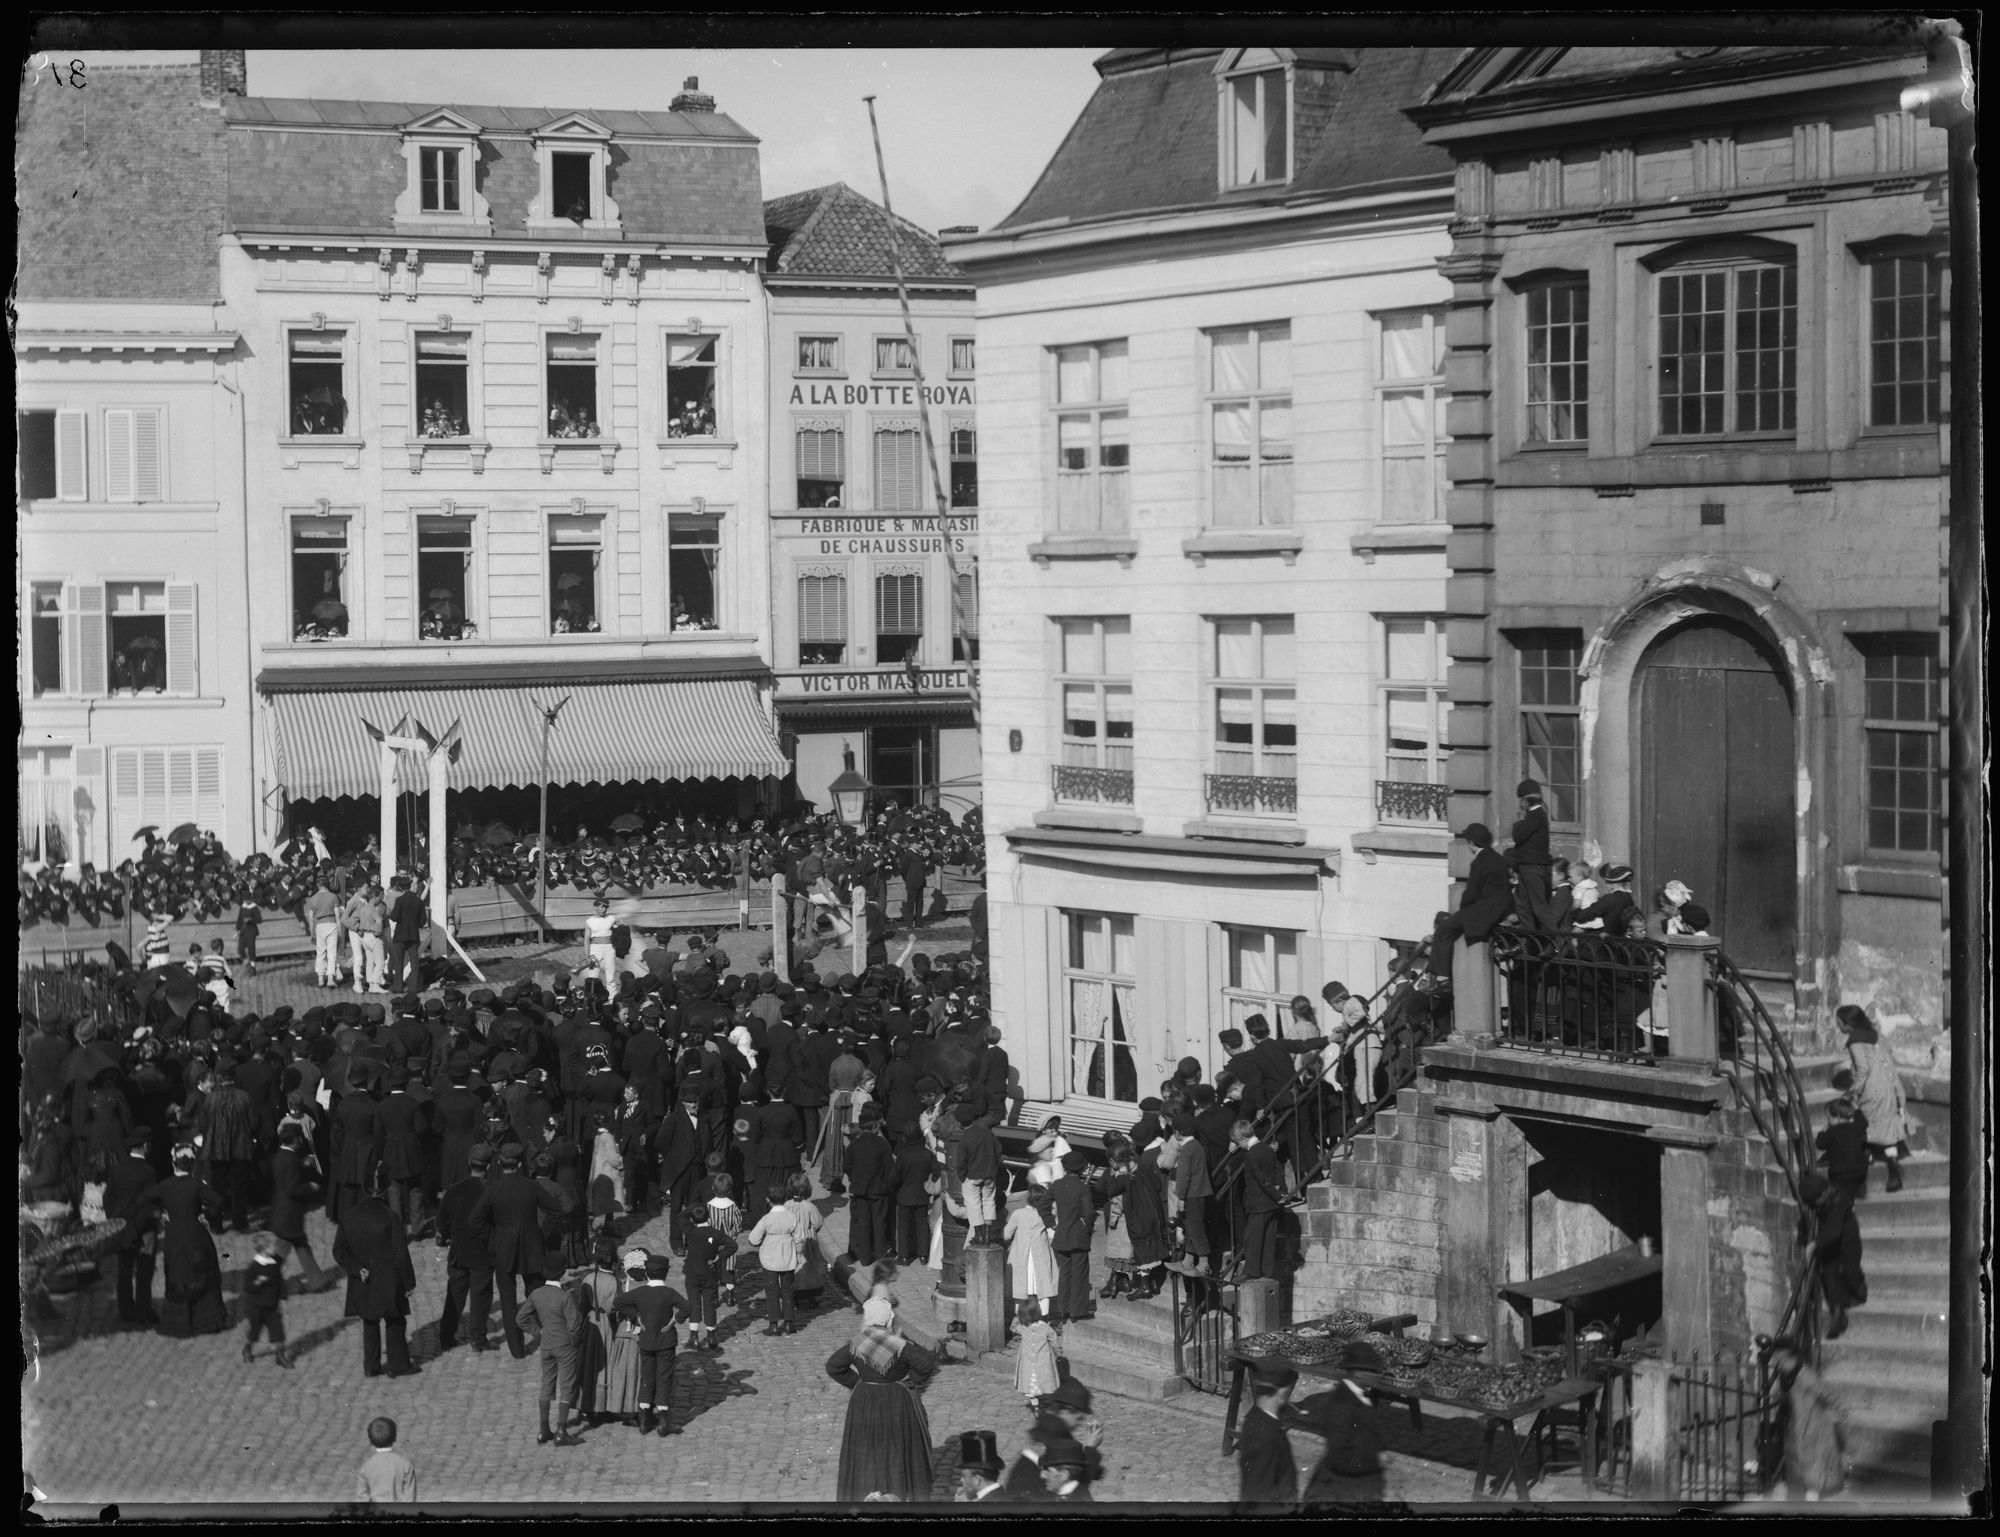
{"points": [[599, 1286], [607, 1180], [617, 1394], [193, 1302], [1878, 1090], [885, 1449], [1031, 1254]]}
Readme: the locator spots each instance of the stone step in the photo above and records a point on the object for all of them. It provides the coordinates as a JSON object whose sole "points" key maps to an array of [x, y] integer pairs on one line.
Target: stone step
{"points": [[1881, 1452], [1914, 1280], [1921, 1171], [1154, 1316], [1925, 1206], [1107, 1369], [1877, 1394], [1431, 1157], [1886, 1351], [1908, 1318], [1929, 1247]]}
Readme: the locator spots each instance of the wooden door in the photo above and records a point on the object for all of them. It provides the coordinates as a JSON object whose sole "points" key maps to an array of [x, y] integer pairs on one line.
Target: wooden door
{"points": [[1716, 795]]}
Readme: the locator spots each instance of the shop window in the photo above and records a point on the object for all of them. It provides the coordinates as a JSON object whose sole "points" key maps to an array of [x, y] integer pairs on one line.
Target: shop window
{"points": [[444, 577], [1098, 984], [1904, 795], [444, 366], [822, 465], [1263, 975], [899, 617], [1552, 719], [1728, 349], [822, 619], [694, 551], [439, 172], [319, 579], [1093, 439], [570, 190], [1250, 426], [1905, 341], [965, 617], [691, 395], [318, 379], [1256, 129], [36, 431], [962, 348], [899, 474], [1414, 710], [895, 358], [576, 547], [1095, 676], [1412, 402], [1559, 362], [964, 444], [45, 637], [819, 355], [572, 386]]}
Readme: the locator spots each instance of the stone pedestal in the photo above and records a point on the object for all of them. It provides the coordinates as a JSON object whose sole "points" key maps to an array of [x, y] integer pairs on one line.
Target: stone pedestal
{"points": [[985, 1298], [951, 1275], [1474, 987], [1259, 1307]]}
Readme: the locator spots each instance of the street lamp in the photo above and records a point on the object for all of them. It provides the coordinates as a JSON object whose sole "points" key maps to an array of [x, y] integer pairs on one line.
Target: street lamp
{"points": [[849, 791]]}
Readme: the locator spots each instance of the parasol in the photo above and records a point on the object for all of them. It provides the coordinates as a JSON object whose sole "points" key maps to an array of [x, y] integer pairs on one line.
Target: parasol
{"points": [[443, 605], [143, 643], [630, 822], [329, 611], [568, 581], [150, 830], [186, 833], [499, 835]]}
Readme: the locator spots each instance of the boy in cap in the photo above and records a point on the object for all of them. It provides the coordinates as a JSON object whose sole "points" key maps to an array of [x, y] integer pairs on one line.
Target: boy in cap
{"points": [[557, 1312], [658, 1310], [263, 1296], [1268, 1475]]}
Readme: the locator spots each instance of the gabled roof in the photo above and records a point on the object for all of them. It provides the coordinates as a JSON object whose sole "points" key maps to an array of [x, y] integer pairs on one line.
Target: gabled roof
{"points": [[1500, 77], [1147, 138], [834, 231], [295, 111]]}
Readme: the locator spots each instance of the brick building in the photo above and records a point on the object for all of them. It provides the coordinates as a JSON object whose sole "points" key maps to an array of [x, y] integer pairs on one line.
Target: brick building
{"points": [[1213, 693], [875, 618], [130, 388], [504, 435]]}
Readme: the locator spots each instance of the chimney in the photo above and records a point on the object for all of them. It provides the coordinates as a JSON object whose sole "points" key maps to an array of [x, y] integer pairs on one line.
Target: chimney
{"points": [[223, 73], [692, 98]]}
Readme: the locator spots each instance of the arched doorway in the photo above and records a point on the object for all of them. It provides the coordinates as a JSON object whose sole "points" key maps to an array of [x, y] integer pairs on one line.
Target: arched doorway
{"points": [[1717, 785]]}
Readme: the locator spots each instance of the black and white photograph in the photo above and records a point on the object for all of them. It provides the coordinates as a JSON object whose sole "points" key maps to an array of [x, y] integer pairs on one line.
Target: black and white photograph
{"points": [[771, 766]]}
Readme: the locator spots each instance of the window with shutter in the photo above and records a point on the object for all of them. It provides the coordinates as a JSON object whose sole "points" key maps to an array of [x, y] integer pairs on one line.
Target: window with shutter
{"points": [[72, 465], [898, 454], [208, 789], [149, 476], [822, 466], [181, 674], [899, 616], [118, 456], [125, 808], [153, 788], [964, 617], [84, 624], [822, 620]]}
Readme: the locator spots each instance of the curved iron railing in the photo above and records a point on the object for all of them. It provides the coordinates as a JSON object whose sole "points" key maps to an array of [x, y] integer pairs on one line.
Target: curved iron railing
{"points": [[1578, 994]]}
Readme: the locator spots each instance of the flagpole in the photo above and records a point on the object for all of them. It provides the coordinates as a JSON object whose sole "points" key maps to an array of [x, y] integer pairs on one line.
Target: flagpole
{"points": [[924, 427]]}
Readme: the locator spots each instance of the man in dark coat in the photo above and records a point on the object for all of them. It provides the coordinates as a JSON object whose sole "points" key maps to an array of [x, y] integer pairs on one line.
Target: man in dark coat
{"points": [[508, 1217], [898, 1090], [1076, 1215], [1263, 1200], [774, 1153], [871, 1185], [810, 1087], [292, 1191], [459, 1114], [684, 1148], [356, 1147], [916, 870], [1059, 1418], [1488, 898], [468, 1287], [1528, 853], [649, 1064], [125, 1187], [409, 921], [371, 1248], [228, 1128], [1270, 1476], [404, 1120]]}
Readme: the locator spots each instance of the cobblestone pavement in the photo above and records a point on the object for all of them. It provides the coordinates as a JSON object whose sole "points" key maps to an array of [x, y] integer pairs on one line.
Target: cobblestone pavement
{"points": [[111, 1415]]}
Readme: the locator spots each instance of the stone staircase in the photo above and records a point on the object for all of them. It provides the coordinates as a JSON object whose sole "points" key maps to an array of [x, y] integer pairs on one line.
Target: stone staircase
{"points": [[1128, 1349], [1888, 1370]]}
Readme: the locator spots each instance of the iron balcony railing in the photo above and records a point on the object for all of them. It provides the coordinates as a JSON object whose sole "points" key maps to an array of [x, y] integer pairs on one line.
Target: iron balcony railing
{"points": [[1580, 995], [1264, 793], [1402, 800], [1104, 786]]}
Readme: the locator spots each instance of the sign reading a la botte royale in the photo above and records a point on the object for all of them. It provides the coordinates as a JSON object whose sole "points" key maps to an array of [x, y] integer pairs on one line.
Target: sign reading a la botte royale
{"points": [[811, 394]]}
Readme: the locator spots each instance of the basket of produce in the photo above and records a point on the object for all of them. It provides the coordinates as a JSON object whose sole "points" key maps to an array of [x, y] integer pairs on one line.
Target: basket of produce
{"points": [[1449, 1379], [49, 1219], [1509, 1388], [1346, 1323], [1545, 1363], [1404, 1352], [1311, 1329], [1258, 1345], [1322, 1352], [1594, 1341]]}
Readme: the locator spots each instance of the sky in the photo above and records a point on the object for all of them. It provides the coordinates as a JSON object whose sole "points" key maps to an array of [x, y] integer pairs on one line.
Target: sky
{"points": [[965, 132]]}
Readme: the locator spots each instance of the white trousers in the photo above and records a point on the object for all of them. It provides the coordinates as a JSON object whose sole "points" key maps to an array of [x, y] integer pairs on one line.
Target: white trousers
{"points": [[326, 951], [375, 955]]}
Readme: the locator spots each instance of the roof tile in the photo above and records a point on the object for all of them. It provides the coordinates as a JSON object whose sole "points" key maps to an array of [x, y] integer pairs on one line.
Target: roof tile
{"points": [[834, 231]]}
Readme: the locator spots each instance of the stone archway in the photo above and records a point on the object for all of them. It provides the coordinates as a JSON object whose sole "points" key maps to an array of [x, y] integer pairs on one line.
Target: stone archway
{"points": [[1705, 588]]}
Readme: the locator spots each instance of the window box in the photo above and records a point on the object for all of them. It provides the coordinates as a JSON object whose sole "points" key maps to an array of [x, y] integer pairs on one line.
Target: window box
{"points": [[1264, 794], [1080, 782]]}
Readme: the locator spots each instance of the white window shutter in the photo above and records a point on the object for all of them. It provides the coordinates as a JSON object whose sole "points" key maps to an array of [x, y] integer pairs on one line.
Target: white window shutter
{"points": [[125, 806], [208, 789], [180, 785], [86, 640], [72, 463], [181, 674], [153, 788], [148, 455], [118, 456]]}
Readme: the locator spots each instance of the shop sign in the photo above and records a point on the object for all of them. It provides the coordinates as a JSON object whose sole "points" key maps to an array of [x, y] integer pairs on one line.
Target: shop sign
{"points": [[880, 395], [888, 536], [820, 681]]}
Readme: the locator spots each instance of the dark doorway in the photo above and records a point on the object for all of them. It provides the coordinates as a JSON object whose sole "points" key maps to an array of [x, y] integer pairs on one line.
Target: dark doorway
{"points": [[899, 762], [1718, 759], [1591, 1193]]}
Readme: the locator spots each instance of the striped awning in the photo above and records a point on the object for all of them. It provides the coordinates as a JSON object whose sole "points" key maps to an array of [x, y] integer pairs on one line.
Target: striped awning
{"points": [[692, 728]]}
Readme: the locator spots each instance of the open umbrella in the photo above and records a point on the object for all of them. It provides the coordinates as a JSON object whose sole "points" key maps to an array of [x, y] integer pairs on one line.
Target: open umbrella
{"points": [[499, 835], [568, 581], [186, 833], [143, 643], [466, 833], [150, 830], [630, 822], [329, 611], [443, 605]]}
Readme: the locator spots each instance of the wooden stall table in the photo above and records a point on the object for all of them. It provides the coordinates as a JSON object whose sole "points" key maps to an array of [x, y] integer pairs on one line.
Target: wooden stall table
{"points": [[1240, 1364], [1571, 1288], [1580, 1391]]}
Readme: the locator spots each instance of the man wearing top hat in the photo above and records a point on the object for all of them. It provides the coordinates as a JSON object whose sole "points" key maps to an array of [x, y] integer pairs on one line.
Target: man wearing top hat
{"points": [[683, 1146], [979, 1469], [508, 1216], [404, 1119]]}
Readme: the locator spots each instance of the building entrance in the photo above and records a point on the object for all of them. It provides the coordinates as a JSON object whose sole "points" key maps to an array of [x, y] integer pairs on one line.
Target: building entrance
{"points": [[900, 763]]}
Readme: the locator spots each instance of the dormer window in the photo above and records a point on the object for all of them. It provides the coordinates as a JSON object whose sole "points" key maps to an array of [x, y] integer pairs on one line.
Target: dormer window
{"points": [[574, 156], [441, 152], [1256, 126]]}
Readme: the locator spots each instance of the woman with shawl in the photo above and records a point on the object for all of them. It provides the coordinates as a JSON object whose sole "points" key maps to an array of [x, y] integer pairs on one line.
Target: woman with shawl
{"points": [[885, 1449]]}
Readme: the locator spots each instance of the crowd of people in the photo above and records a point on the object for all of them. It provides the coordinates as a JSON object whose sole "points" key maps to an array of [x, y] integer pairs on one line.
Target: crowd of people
{"points": [[187, 874]]}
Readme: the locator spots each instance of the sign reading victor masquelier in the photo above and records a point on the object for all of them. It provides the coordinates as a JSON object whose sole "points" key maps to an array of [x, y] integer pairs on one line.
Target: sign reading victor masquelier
{"points": [[930, 680], [886, 535]]}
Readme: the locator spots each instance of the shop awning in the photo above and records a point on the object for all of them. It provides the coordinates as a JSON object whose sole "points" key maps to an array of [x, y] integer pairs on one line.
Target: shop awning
{"points": [[692, 728]]}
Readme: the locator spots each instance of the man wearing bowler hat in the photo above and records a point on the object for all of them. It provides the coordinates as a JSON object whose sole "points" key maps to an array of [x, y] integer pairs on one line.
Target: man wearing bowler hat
{"points": [[1528, 853], [979, 1468], [1062, 1417], [1269, 1477], [468, 1286]]}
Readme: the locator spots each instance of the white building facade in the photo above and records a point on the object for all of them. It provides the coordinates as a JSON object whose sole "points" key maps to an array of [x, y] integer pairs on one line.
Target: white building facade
{"points": [[1214, 692]]}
